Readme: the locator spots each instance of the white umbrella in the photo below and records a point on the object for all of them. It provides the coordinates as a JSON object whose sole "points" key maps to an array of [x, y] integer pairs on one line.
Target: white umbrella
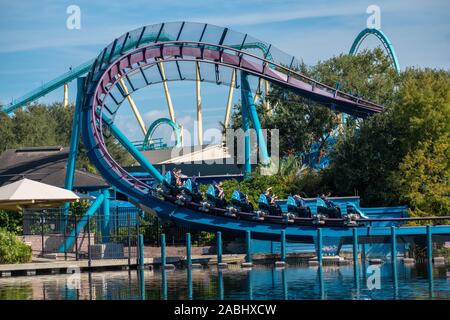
{"points": [[29, 193]]}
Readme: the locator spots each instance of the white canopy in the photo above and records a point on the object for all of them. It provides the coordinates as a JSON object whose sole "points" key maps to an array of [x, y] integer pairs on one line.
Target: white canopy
{"points": [[29, 193]]}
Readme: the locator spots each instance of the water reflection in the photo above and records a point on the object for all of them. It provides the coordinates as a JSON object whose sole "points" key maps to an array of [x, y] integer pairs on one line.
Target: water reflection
{"points": [[260, 282]]}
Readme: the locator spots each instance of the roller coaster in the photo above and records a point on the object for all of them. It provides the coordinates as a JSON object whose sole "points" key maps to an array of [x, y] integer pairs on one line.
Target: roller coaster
{"points": [[199, 52]]}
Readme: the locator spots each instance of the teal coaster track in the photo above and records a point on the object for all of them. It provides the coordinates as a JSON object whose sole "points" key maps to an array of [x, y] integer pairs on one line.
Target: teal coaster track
{"points": [[134, 57], [384, 41]]}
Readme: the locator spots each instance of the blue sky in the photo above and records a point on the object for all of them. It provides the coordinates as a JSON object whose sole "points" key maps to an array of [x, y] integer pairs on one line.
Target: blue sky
{"points": [[36, 46]]}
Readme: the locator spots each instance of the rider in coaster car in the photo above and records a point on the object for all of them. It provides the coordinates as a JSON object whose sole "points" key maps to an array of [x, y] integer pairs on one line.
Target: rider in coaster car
{"points": [[242, 201], [220, 200], [301, 210], [169, 184], [274, 208], [332, 210], [177, 177], [190, 187]]}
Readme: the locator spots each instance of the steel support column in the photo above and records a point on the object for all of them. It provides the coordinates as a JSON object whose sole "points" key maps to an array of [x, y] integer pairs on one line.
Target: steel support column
{"points": [[247, 103], [166, 91], [226, 121], [135, 110], [132, 149], [199, 105], [106, 216]]}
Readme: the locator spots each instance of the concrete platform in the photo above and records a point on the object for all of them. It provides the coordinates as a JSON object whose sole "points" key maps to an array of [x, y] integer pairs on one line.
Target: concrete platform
{"points": [[55, 267], [247, 264], [222, 265]]}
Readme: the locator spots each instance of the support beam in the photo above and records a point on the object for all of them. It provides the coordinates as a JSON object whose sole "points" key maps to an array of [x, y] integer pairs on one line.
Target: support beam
{"points": [[199, 106], [355, 257], [68, 243], [394, 257], [248, 242], [226, 121], [141, 251], [66, 95], [219, 246], [266, 94], [133, 106], [246, 129], [123, 140], [283, 246], [248, 104], [166, 91], [75, 136], [258, 91], [188, 250], [429, 237], [163, 251], [73, 148], [105, 216]]}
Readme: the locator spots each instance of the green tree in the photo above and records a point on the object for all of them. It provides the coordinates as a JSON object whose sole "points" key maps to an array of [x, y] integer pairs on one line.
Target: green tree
{"points": [[364, 159], [423, 178]]}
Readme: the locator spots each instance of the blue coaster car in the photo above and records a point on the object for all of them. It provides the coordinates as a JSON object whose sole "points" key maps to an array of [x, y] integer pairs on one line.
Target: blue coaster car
{"points": [[212, 199], [354, 215], [239, 202], [300, 210], [263, 204], [328, 209], [168, 185], [266, 208], [189, 193]]}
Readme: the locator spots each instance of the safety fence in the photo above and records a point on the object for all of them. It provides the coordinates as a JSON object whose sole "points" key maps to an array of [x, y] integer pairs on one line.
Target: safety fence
{"points": [[59, 233]]}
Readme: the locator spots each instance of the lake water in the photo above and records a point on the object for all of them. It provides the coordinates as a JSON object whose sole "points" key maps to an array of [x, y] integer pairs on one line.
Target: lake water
{"points": [[262, 282]]}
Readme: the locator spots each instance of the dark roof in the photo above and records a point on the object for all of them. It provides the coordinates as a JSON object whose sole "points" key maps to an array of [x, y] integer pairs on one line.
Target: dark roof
{"points": [[43, 164]]}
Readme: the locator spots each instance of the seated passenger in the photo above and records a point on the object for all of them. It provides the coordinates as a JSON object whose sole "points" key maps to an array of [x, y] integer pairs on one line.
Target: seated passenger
{"points": [[273, 207], [328, 208], [240, 199], [177, 177], [169, 184], [220, 192], [298, 206], [215, 195], [190, 188]]}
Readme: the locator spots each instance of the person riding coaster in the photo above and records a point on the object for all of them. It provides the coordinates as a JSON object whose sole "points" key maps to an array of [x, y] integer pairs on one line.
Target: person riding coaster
{"points": [[268, 206], [171, 185], [297, 206], [215, 198], [189, 193], [325, 209], [239, 203]]}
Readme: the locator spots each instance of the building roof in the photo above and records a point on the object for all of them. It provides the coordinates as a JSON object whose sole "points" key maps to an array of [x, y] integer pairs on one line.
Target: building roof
{"points": [[46, 165], [26, 192], [188, 154]]}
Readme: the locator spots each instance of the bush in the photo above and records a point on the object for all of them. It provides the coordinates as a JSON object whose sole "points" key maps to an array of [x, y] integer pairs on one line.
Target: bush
{"points": [[13, 250], [11, 221]]}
